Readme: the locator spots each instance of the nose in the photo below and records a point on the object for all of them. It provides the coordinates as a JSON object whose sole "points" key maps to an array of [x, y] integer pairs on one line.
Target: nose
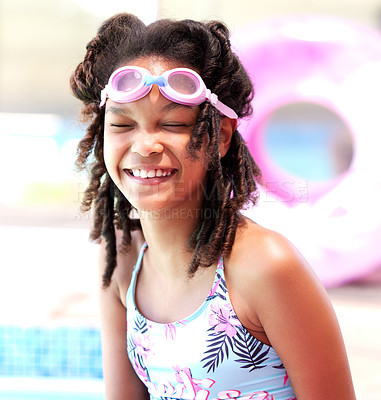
{"points": [[147, 143]]}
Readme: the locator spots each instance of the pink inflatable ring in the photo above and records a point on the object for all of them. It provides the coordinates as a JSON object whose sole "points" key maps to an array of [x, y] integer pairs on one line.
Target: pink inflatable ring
{"points": [[336, 65]]}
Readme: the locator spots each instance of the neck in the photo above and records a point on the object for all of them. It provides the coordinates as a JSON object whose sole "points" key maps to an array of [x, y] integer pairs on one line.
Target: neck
{"points": [[167, 233]]}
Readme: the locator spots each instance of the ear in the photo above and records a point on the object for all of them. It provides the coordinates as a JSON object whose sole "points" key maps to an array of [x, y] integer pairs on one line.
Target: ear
{"points": [[227, 128]]}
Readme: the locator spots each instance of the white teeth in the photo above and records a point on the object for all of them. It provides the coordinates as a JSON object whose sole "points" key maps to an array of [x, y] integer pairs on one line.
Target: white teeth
{"points": [[142, 173]]}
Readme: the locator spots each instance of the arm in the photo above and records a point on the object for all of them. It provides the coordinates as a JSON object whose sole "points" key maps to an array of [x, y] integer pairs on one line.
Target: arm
{"points": [[297, 317], [121, 381]]}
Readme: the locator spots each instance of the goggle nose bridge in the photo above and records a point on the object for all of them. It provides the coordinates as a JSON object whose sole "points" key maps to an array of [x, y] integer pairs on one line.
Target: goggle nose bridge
{"points": [[149, 80]]}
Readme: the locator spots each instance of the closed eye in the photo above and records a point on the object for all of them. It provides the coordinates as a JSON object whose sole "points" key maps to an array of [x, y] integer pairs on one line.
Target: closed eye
{"points": [[177, 127], [121, 126]]}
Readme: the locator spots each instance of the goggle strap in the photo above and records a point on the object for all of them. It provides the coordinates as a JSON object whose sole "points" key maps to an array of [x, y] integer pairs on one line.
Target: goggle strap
{"points": [[213, 99], [103, 96], [224, 109]]}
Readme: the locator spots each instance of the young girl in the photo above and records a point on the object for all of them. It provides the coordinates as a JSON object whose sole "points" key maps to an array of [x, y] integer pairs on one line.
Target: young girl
{"points": [[197, 301]]}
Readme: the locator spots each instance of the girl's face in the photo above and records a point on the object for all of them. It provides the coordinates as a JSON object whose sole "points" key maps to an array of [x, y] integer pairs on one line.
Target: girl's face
{"points": [[145, 149]]}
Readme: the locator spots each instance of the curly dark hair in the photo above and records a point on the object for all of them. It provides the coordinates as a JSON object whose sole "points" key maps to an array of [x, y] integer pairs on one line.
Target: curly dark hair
{"points": [[231, 181]]}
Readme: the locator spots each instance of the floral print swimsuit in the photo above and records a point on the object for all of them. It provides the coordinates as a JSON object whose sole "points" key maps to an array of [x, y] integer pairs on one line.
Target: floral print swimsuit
{"points": [[206, 356]]}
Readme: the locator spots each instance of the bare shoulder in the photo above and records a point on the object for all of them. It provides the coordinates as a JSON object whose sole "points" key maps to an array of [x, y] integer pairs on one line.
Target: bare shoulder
{"points": [[126, 260], [265, 271], [265, 254]]}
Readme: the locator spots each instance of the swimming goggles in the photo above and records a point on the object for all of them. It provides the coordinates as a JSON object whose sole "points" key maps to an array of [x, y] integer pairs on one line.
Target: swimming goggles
{"points": [[180, 85]]}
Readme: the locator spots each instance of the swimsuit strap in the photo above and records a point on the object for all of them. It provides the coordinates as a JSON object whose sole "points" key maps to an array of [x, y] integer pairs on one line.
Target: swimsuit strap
{"points": [[140, 257]]}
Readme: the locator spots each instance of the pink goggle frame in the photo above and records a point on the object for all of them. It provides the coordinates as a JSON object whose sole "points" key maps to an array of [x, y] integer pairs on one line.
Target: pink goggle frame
{"points": [[180, 85]]}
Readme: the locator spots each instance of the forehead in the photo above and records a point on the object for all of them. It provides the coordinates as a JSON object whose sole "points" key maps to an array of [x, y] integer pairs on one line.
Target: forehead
{"points": [[155, 64]]}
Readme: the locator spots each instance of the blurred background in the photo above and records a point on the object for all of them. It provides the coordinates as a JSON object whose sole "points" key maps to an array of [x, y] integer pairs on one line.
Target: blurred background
{"points": [[316, 139]]}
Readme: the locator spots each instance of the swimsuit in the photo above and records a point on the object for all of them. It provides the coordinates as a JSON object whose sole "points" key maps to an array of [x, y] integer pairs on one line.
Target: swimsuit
{"points": [[206, 356]]}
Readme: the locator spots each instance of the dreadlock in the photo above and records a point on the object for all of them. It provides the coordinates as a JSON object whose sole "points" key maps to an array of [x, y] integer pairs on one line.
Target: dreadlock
{"points": [[231, 181]]}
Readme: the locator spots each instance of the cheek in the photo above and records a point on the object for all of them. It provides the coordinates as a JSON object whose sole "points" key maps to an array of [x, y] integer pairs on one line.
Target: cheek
{"points": [[108, 154], [112, 154]]}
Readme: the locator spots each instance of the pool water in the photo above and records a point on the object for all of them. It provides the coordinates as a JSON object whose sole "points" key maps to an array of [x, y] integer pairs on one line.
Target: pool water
{"points": [[50, 363], [50, 389], [61, 352], [50, 396]]}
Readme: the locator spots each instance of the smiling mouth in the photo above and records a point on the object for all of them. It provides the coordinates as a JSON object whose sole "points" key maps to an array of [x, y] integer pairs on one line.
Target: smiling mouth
{"points": [[150, 174]]}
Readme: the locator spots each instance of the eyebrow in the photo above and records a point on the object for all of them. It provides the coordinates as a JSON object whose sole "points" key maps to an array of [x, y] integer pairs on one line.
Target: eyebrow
{"points": [[118, 110], [169, 107], [173, 106]]}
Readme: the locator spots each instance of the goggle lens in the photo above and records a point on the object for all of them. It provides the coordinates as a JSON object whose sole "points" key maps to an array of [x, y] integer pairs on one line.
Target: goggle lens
{"points": [[128, 81], [183, 83]]}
